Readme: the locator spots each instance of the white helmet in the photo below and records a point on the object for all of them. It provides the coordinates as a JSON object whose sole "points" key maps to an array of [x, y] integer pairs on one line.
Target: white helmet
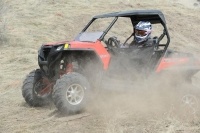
{"points": [[142, 31]]}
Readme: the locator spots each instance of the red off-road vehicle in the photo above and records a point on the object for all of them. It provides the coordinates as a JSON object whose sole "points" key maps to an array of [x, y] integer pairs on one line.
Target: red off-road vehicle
{"points": [[69, 70]]}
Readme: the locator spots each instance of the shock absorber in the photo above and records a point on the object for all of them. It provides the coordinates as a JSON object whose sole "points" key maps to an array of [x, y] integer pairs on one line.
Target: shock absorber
{"points": [[69, 68], [65, 67]]}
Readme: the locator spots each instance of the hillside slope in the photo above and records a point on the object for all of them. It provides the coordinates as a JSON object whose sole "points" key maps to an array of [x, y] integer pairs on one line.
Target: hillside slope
{"points": [[25, 25]]}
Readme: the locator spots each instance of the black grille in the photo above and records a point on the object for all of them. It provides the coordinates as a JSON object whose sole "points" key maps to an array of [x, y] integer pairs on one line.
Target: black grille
{"points": [[46, 52]]}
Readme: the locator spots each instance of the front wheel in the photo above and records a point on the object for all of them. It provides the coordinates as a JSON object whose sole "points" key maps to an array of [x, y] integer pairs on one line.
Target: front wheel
{"points": [[70, 93], [32, 86]]}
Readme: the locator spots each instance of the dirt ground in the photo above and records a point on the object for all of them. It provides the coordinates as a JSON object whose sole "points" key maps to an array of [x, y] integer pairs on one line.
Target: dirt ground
{"points": [[25, 25]]}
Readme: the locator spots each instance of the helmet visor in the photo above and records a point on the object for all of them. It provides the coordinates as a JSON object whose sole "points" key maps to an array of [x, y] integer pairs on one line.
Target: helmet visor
{"points": [[140, 32]]}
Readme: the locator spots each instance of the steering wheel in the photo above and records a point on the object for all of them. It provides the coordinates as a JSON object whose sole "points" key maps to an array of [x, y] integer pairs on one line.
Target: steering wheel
{"points": [[113, 43]]}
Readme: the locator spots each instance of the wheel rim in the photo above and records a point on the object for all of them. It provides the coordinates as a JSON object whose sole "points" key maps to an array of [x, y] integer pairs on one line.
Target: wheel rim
{"points": [[75, 94], [190, 102]]}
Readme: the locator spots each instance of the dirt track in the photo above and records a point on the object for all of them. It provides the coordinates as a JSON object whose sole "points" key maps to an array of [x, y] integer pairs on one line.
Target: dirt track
{"points": [[24, 26]]}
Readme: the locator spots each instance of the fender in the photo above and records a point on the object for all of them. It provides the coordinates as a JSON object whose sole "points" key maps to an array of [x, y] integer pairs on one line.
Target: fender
{"points": [[97, 46], [184, 64]]}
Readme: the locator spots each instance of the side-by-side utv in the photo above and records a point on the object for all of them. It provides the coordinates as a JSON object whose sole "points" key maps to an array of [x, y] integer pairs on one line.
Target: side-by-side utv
{"points": [[69, 70]]}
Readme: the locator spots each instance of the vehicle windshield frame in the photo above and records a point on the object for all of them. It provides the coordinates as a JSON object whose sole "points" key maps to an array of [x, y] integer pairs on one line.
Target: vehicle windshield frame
{"points": [[93, 36]]}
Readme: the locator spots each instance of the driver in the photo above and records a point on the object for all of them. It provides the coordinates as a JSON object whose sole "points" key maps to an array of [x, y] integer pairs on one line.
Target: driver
{"points": [[143, 45], [142, 35]]}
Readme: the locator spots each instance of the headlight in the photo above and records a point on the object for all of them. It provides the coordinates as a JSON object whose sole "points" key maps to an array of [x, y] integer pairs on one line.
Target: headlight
{"points": [[59, 48]]}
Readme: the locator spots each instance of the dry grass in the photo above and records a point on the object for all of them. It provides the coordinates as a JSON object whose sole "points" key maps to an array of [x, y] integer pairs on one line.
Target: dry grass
{"points": [[3, 30], [25, 25]]}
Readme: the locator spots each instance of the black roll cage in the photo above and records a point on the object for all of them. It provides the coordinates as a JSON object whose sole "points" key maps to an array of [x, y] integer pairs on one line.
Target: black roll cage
{"points": [[154, 16]]}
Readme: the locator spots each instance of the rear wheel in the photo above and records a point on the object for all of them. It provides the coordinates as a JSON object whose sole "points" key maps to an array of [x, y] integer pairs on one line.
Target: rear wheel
{"points": [[32, 85], [70, 93]]}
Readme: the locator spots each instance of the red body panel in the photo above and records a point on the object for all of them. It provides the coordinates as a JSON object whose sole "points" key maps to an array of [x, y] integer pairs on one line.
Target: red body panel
{"points": [[101, 51], [97, 47], [171, 62]]}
